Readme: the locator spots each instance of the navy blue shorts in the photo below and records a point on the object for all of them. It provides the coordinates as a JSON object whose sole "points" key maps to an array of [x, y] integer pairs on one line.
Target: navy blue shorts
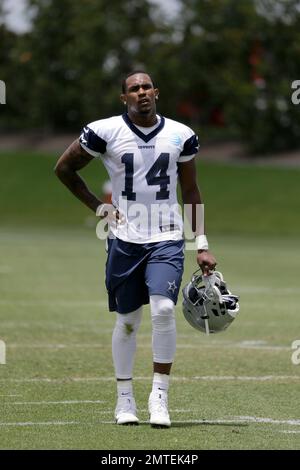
{"points": [[136, 271]]}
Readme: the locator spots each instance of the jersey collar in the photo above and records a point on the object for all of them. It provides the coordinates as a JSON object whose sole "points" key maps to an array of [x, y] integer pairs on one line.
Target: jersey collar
{"points": [[140, 134]]}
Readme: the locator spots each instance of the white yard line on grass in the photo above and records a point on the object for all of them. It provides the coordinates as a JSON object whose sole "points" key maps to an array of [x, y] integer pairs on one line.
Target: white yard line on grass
{"points": [[260, 348], [47, 423], [234, 421], [65, 402], [267, 290], [239, 345], [11, 395], [31, 324], [237, 420], [286, 431], [254, 419], [206, 378], [55, 346], [264, 378], [145, 410], [50, 302]]}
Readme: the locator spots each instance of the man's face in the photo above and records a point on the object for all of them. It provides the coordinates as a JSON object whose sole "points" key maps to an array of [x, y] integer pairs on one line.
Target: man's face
{"points": [[140, 94]]}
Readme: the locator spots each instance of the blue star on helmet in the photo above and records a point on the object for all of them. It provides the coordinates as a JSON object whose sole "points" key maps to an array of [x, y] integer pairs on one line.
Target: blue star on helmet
{"points": [[172, 286]]}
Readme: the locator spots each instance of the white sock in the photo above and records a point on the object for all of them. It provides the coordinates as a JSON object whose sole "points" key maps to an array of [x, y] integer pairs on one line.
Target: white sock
{"points": [[160, 382], [124, 388]]}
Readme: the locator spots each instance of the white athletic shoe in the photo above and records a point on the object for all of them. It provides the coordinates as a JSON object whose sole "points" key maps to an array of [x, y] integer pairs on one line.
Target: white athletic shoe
{"points": [[125, 412], [158, 409]]}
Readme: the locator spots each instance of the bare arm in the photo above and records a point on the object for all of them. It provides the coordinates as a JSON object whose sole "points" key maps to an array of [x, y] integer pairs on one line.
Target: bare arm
{"points": [[66, 169], [187, 175], [190, 191]]}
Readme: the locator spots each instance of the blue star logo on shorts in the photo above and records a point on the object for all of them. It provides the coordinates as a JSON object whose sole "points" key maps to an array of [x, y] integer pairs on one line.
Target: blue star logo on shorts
{"points": [[172, 286]]}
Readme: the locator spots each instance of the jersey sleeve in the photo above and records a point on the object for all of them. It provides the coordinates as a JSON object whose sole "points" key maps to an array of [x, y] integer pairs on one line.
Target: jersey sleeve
{"points": [[91, 141], [190, 148]]}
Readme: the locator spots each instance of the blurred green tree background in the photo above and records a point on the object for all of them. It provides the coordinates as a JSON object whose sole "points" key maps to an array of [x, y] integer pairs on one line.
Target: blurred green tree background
{"points": [[224, 67]]}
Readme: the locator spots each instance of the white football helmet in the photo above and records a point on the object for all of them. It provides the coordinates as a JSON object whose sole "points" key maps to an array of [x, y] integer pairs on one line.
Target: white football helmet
{"points": [[208, 305]]}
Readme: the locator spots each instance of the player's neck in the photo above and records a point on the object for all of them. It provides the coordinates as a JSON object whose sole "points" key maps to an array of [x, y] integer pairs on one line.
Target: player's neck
{"points": [[147, 120]]}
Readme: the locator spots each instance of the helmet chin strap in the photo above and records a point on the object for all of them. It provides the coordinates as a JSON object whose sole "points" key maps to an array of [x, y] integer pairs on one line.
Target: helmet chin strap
{"points": [[209, 282], [206, 321]]}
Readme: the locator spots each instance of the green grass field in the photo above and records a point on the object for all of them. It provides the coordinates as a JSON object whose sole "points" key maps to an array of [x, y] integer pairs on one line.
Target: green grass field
{"points": [[235, 390]]}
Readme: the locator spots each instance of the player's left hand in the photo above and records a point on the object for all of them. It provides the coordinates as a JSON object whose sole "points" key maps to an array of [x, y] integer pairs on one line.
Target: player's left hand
{"points": [[206, 261], [113, 214]]}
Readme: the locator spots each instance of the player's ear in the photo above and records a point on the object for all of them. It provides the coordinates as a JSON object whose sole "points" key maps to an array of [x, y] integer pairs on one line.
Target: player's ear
{"points": [[156, 92], [123, 98]]}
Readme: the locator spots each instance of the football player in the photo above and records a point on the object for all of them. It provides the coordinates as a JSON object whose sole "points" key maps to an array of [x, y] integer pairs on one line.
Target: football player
{"points": [[145, 155]]}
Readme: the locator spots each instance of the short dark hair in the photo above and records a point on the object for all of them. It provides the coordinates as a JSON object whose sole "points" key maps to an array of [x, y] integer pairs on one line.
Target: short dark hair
{"points": [[134, 73]]}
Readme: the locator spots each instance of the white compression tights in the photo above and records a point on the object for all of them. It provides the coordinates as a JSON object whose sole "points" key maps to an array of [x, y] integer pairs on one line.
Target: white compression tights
{"points": [[124, 342], [163, 329], [163, 335]]}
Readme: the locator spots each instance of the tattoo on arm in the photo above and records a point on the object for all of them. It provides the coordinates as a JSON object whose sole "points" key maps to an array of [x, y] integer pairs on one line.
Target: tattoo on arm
{"points": [[72, 160], [75, 157]]}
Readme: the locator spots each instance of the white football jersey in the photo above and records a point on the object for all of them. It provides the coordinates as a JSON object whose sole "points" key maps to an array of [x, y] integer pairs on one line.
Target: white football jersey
{"points": [[142, 166]]}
